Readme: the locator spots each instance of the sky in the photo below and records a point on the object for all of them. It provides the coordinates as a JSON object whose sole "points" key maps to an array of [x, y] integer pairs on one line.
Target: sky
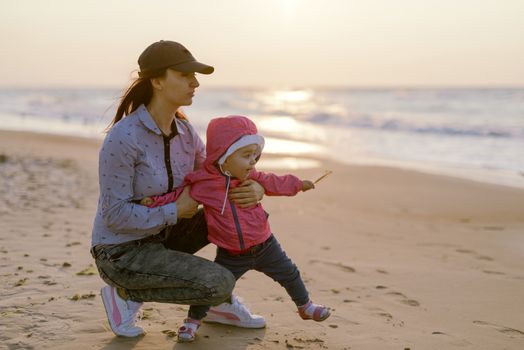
{"points": [[291, 43]]}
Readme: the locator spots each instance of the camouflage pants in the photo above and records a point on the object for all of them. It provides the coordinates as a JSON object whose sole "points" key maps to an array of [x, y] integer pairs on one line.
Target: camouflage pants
{"points": [[163, 269]]}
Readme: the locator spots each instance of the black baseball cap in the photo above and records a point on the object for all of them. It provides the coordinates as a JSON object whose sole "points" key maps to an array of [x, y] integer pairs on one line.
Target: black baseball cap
{"points": [[169, 54]]}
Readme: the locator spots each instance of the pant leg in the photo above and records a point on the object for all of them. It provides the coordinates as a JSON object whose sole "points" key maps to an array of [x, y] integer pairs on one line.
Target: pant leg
{"points": [[151, 272], [273, 262], [238, 266], [167, 271]]}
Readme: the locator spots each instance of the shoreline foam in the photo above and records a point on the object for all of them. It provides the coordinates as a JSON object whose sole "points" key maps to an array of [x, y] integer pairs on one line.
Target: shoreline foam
{"points": [[306, 159]]}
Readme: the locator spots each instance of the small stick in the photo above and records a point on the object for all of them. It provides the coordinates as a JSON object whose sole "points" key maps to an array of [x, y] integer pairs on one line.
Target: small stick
{"points": [[323, 176]]}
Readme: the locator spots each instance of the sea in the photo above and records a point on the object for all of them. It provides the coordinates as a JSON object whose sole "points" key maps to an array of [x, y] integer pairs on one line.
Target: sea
{"points": [[472, 133]]}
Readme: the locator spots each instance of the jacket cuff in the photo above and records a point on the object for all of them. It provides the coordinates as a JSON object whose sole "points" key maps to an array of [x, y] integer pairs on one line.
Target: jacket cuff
{"points": [[170, 213]]}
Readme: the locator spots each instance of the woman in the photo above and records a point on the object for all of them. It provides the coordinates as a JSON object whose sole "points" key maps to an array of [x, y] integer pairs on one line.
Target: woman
{"points": [[145, 254]]}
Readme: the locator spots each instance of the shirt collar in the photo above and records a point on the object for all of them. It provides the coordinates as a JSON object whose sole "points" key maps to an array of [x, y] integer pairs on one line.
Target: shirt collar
{"points": [[146, 119], [180, 126]]}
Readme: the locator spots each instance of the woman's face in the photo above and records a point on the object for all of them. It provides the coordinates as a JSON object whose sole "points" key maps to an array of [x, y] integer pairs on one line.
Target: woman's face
{"points": [[177, 88]]}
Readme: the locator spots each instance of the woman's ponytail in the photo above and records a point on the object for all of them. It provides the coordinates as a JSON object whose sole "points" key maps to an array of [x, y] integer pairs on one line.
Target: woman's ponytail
{"points": [[139, 93]]}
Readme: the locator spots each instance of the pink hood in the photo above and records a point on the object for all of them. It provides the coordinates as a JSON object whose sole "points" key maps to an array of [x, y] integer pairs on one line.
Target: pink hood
{"points": [[223, 132]]}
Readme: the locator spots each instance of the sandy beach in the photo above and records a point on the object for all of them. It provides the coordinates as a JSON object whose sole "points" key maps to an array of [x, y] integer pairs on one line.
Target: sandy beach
{"points": [[404, 259]]}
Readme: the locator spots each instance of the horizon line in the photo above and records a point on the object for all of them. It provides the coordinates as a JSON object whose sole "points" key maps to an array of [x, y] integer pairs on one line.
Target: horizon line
{"points": [[287, 87]]}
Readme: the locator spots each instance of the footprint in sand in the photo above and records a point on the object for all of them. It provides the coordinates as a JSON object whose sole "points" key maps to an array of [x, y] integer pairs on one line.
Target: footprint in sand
{"points": [[386, 315], [453, 340], [474, 254], [465, 251], [390, 319], [306, 341], [512, 332], [484, 257], [493, 228], [404, 299], [332, 263], [437, 244], [478, 256]]}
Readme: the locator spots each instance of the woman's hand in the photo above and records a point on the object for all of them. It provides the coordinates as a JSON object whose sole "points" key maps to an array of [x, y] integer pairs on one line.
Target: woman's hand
{"points": [[247, 193], [186, 206], [147, 201]]}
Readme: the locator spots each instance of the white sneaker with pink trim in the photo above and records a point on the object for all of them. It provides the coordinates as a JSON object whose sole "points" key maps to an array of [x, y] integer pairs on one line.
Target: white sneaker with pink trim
{"points": [[234, 314], [121, 314]]}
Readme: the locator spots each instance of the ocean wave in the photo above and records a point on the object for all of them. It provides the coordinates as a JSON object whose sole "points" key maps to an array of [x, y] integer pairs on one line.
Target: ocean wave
{"points": [[402, 125]]}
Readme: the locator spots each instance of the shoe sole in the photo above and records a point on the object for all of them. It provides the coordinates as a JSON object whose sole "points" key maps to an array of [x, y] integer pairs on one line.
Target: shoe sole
{"points": [[182, 340], [324, 318], [319, 320], [109, 319]]}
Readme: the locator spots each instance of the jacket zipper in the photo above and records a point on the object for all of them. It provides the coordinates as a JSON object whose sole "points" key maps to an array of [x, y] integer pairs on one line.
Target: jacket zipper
{"points": [[237, 224], [235, 218]]}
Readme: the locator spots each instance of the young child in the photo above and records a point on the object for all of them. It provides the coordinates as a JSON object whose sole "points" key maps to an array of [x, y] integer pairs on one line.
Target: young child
{"points": [[243, 235]]}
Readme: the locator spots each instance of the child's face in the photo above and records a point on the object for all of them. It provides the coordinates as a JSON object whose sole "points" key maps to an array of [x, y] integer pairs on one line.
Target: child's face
{"points": [[240, 163]]}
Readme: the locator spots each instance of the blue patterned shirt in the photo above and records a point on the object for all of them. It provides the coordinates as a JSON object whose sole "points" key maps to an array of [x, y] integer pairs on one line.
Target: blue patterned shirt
{"points": [[137, 160]]}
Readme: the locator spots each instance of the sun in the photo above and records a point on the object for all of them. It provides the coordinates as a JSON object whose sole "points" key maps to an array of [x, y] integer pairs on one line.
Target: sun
{"points": [[288, 6]]}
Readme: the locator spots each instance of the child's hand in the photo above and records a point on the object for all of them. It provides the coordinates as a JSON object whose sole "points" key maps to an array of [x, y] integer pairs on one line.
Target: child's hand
{"points": [[146, 201], [307, 185]]}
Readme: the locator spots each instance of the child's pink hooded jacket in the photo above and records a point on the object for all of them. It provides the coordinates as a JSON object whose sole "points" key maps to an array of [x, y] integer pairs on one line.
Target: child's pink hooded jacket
{"points": [[237, 229]]}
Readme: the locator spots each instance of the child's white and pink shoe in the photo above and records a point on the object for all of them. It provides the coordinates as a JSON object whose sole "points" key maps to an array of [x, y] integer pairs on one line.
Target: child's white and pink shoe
{"points": [[187, 332], [234, 313], [313, 312]]}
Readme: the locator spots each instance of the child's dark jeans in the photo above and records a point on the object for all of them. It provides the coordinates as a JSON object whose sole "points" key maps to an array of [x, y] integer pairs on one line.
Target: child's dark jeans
{"points": [[267, 257]]}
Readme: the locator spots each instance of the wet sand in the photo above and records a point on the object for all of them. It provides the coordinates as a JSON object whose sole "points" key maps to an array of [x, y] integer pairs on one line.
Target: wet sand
{"points": [[405, 259]]}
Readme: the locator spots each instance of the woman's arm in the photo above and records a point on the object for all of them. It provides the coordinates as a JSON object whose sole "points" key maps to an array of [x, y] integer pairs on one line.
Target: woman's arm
{"points": [[187, 206], [118, 157]]}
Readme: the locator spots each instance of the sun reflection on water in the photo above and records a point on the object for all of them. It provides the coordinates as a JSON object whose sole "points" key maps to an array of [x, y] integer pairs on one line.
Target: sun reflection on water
{"points": [[286, 102], [287, 163], [279, 124], [295, 96], [290, 147]]}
